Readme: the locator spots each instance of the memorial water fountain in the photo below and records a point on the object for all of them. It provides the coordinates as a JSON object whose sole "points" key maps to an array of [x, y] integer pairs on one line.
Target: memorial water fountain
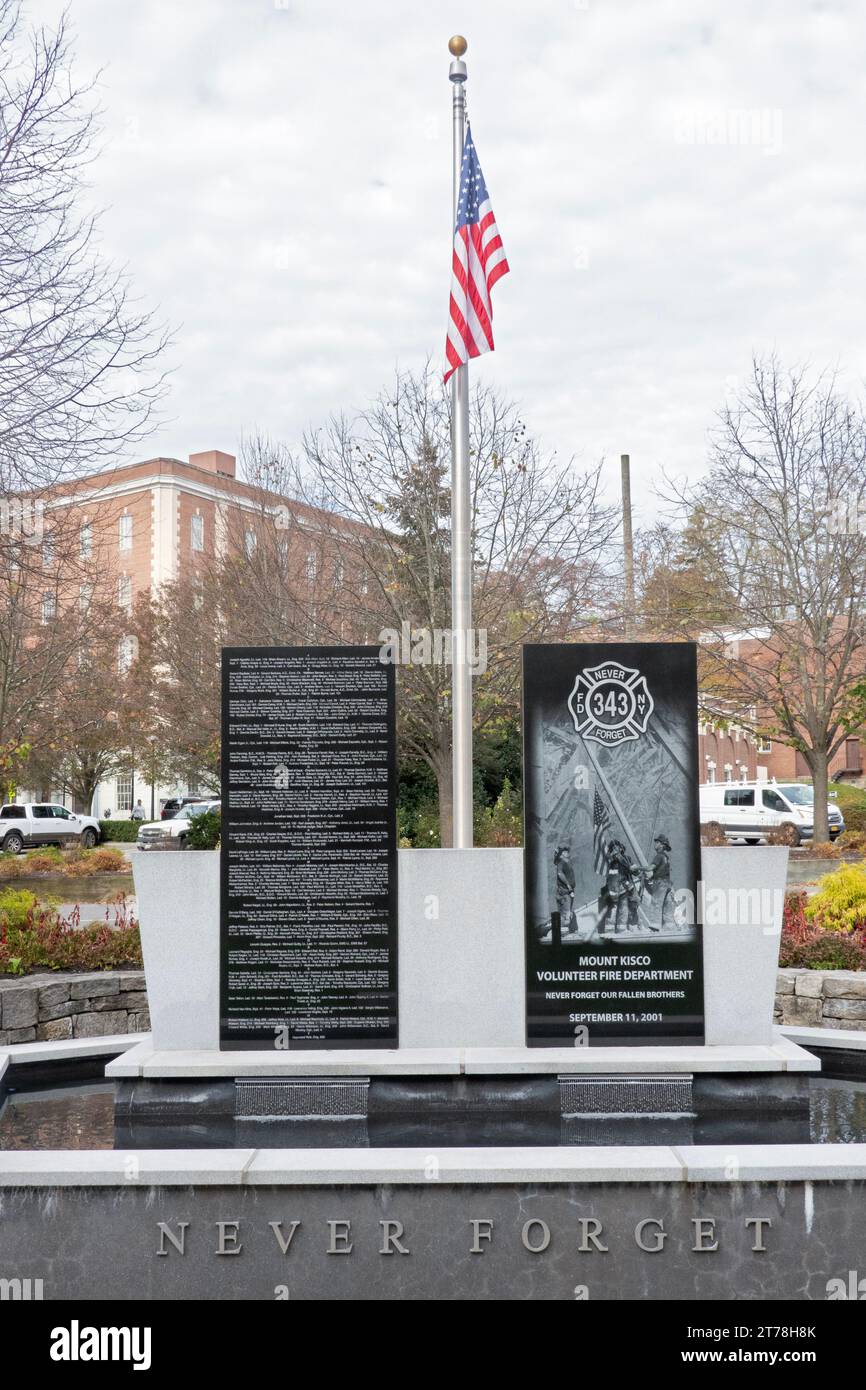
{"points": [[406, 1057]]}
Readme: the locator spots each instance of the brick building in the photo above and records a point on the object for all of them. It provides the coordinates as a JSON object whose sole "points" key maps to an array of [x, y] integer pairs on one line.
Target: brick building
{"points": [[147, 524], [728, 752], [733, 754], [143, 525]]}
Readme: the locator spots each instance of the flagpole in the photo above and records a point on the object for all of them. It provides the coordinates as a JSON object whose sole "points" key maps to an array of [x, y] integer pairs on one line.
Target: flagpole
{"points": [[461, 522]]}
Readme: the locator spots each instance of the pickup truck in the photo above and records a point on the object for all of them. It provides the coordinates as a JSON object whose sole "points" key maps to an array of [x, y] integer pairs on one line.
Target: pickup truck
{"points": [[172, 833], [43, 823]]}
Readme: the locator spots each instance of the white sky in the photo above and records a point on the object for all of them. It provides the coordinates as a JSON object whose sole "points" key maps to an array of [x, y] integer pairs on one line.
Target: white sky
{"points": [[277, 177]]}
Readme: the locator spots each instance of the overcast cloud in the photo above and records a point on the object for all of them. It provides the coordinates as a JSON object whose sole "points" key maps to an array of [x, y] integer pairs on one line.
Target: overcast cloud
{"points": [[677, 185]]}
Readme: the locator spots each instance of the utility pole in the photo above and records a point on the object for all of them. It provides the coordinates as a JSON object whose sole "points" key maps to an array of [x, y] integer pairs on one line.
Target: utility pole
{"points": [[627, 548]]}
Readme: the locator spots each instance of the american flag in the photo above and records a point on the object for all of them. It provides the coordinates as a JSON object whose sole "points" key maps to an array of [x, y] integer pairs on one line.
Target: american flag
{"points": [[477, 263], [600, 827]]}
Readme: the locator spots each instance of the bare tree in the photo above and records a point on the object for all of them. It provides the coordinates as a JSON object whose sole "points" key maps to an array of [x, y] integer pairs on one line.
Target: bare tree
{"points": [[539, 538], [788, 475], [262, 580], [58, 619], [78, 359]]}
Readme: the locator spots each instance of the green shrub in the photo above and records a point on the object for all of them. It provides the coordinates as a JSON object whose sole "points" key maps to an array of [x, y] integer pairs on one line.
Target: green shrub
{"points": [[852, 803], [840, 902], [16, 905], [126, 831], [204, 831], [425, 831], [501, 823]]}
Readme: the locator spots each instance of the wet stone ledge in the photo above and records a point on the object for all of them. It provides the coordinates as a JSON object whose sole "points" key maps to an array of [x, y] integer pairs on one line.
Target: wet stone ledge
{"points": [[51, 1007]]}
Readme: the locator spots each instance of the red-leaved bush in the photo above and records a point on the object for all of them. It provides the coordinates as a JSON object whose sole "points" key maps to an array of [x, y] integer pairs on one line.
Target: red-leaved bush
{"points": [[44, 940], [808, 945]]}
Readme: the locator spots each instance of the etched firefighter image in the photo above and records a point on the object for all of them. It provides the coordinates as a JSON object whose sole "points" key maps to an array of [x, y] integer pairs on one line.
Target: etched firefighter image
{"points": [[659, 883], [637, 897], [565, 883], [619, 900]]}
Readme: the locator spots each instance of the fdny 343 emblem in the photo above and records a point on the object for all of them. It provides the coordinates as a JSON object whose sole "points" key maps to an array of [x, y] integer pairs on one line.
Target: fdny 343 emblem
{"points": [[610, 703]]}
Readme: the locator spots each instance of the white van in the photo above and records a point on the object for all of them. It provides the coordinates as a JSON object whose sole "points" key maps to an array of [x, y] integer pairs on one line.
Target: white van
{"points": [[749, 810]]}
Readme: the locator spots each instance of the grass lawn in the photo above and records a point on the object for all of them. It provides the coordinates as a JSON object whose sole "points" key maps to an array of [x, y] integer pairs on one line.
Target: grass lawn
{"points": [[852, 803]]}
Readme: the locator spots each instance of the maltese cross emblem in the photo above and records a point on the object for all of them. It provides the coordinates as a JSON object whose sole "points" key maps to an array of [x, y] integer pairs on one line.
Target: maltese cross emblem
{"points": [[610, 703]]}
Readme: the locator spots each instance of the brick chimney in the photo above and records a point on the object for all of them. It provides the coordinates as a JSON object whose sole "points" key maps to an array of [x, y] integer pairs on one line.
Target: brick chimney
{"points": [[214, 461]]}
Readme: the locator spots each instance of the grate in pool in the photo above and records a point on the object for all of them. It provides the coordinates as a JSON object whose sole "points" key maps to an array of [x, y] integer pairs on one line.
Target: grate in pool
{"points": [[625, 1095], [281, 1098]]}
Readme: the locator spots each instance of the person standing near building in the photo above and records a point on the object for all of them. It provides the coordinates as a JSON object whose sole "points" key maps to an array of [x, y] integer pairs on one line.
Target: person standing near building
{"points": [[137, 812]]}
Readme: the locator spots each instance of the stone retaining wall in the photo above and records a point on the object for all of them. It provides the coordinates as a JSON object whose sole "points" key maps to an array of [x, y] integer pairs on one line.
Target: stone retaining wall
{"points": [[42, 1008], [822, 998]]}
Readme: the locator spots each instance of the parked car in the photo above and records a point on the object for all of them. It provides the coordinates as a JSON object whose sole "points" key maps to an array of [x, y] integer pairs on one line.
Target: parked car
{"points": [[174, 804], [42, 823], [749, 810], [171, 834]]}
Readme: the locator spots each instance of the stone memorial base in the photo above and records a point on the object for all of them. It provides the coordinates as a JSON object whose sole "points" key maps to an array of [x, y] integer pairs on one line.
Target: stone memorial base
{"points": [[666, 1223], [781, 1055], [462, 976]]}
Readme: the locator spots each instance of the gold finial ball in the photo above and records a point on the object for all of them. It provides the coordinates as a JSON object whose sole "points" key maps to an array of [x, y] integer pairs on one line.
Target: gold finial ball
{"points": [[457, 46]]}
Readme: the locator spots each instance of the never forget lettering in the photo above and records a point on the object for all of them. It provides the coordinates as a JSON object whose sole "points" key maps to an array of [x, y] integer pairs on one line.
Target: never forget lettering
{"points": [[339, 1236]]}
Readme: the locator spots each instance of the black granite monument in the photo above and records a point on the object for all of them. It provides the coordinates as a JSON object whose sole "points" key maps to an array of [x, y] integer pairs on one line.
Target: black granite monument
{"points": [[309, 857]]}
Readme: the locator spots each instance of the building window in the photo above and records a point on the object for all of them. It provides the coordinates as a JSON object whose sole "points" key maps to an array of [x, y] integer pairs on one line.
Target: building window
{"points": [[124, 592], [85, 597], [196, 532], [250, 544], [49, 606], [764, 745], [311, 566], [125, 532], [123, 791], [48, 551], [125, 654], [85, 541], [729, 773], [339, 573]]}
